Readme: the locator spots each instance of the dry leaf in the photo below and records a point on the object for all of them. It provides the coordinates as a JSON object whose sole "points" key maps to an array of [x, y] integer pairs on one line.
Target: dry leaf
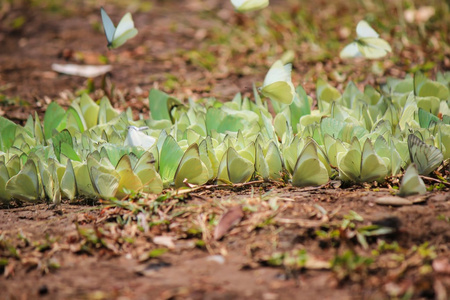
{"points": [[232, 217], [394, 201], [164, 240], [216, 258], [441, 265], [421, 15]]}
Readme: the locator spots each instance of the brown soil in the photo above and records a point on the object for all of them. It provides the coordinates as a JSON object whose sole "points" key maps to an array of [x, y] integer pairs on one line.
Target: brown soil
{"points": [[56, 261], [94, 251]]}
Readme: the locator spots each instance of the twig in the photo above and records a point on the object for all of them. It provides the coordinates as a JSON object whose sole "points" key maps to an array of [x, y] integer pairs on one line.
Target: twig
{"points": [[435, 180], [217, 186], [302, 223]]}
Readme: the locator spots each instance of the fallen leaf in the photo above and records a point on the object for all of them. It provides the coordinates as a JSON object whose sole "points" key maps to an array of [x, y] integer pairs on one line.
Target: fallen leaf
{"points": [[164, 240], [216, 258], [88, 71], [313, 263], [394, 201], [421, 15], [441, 265], [229, 219]]}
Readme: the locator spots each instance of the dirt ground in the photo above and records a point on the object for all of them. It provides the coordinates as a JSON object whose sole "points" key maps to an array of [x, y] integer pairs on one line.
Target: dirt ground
{"points": [[286, 242], [57, 259]]}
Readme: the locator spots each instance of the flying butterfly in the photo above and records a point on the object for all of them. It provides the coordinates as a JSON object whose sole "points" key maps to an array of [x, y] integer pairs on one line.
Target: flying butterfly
{"points": [[117, 36], [368, 44], [249, 5], [277, 84]]}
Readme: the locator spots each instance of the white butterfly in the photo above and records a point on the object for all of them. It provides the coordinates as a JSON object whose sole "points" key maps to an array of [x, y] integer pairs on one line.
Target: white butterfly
{"points": [[426, 157], [277, 84], [249, 5], [137, 138], [368, 44], [117, 36]]}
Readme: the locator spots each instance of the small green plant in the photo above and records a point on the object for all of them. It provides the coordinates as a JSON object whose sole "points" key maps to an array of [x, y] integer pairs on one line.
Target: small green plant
{"points": [[350, 265]]}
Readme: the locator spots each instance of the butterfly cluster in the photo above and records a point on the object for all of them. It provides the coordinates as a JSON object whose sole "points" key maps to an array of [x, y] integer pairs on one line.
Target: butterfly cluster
{"points": [[91, 150]]}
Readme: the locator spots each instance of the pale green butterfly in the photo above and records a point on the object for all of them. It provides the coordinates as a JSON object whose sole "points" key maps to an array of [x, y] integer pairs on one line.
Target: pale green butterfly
{"points": [[191, 168], [309, 170], [208, 156], [106, 112], [274, 161], [25, 185], [117, 36], [104, 178], [426, 157], [234, 168], [4, 177], [239, 168], [83, 179], [261, 165], [169, 159], [105, 184], [146, 171], [277, 84], [129, 181], [68, 182], [411, 182], [361, 165], [368, 44], [89, 110], [49, 180], [249, 5]]}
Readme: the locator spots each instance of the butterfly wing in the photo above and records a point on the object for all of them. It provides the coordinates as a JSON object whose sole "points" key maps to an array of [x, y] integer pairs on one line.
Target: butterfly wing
{"points": [[364, 30], [239, 168], [351, 50], [108, 26], [125, 30], [373, 166], [249, 5], [25, 185], [135, 137], [426, 157], [4, 177], [191, 168], [68, 182], [373, 47], [277, 72], [105, 184], [277, 83], [309, 170], [280, 91], [412, 183]]}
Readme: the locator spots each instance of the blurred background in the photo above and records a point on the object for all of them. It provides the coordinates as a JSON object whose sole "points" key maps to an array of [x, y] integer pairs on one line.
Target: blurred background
{"points": [[204, 48]]}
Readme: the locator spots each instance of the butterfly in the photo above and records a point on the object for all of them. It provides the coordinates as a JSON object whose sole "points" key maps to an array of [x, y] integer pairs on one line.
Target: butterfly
{"points": [[368, 44], [361, 165], [137, 138], [191, 169], [117, 36], [25, 185], [249, 5], [412, 183], [426, 157], [309, 170], [277, 84]]}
